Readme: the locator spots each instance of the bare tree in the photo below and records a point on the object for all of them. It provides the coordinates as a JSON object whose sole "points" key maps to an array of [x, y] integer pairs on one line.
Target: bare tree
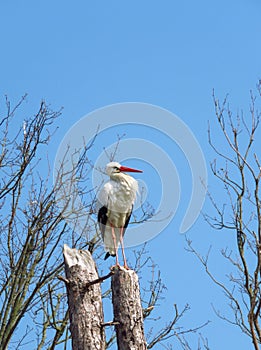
{"points": [[32, 228], [238, 169]]}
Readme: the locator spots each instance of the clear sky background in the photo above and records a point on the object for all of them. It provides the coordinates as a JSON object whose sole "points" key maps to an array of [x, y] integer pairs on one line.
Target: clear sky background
{"points": [[84, 55]]}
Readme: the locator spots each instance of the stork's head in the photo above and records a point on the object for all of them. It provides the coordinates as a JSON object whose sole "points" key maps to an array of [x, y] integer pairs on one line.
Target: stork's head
{"points": [[114, 168]]}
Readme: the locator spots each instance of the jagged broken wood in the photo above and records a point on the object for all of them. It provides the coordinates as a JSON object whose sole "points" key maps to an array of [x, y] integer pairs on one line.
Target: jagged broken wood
{"points": [[127, 310], [84, 300]]}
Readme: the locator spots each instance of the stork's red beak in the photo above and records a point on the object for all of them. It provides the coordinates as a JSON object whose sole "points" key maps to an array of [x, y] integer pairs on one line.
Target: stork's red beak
{"points": [[130, 170]]}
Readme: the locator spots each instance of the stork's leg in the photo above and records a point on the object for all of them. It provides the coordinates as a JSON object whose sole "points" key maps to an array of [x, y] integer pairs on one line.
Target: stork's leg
{"points": [[122, 249], [115, 245]]}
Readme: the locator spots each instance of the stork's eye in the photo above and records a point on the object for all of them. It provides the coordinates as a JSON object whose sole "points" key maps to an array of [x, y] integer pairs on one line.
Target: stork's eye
{"points": [[116, 169]]}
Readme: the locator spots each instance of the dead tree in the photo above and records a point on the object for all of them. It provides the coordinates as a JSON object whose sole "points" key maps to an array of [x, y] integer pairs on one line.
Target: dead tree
{"points": [[85, 307], [238, 169], [85, 304], [127, 310], [85, 300]]}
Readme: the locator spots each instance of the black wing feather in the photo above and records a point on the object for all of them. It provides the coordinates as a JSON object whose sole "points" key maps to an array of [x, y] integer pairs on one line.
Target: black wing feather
{"points": [[102, 219], [127, 221]]}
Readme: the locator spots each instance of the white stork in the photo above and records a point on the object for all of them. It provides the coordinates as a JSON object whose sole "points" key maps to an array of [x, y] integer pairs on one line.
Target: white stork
{"points": [[116, 200]]}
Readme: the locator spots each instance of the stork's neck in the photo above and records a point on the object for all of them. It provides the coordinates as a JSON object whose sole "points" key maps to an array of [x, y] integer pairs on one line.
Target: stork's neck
{"points": [[120, 177], [125, 181]]}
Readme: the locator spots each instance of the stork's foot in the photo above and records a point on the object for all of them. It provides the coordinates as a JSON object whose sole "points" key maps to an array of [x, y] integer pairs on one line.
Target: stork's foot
{"points": [[116, 266]]}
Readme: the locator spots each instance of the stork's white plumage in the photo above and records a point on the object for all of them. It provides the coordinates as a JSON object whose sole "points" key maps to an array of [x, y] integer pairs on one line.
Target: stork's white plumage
{"points": [[116, 200]]}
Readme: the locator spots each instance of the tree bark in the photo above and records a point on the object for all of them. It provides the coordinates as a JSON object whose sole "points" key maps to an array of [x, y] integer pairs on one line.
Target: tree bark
{"points": [[85, 301], [127, 310]]}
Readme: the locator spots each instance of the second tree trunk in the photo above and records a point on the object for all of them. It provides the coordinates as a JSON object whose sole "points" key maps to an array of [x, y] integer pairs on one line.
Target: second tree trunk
{"points": [[127, 310]]}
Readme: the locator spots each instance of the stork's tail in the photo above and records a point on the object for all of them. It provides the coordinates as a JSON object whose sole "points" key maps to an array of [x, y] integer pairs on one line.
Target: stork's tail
{"points": [[107, 255]]}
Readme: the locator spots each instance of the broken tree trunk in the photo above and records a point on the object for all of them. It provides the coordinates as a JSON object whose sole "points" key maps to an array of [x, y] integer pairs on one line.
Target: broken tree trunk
{"points": [[127, 310], [84, 299]]}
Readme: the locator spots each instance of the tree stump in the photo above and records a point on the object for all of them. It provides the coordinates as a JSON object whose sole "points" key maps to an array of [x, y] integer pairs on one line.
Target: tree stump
{"points": [[85, 301], [127, 310]]}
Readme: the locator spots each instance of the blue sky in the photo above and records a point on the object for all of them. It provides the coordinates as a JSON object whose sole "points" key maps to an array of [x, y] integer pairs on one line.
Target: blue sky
{"points": [[86, 55]]}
